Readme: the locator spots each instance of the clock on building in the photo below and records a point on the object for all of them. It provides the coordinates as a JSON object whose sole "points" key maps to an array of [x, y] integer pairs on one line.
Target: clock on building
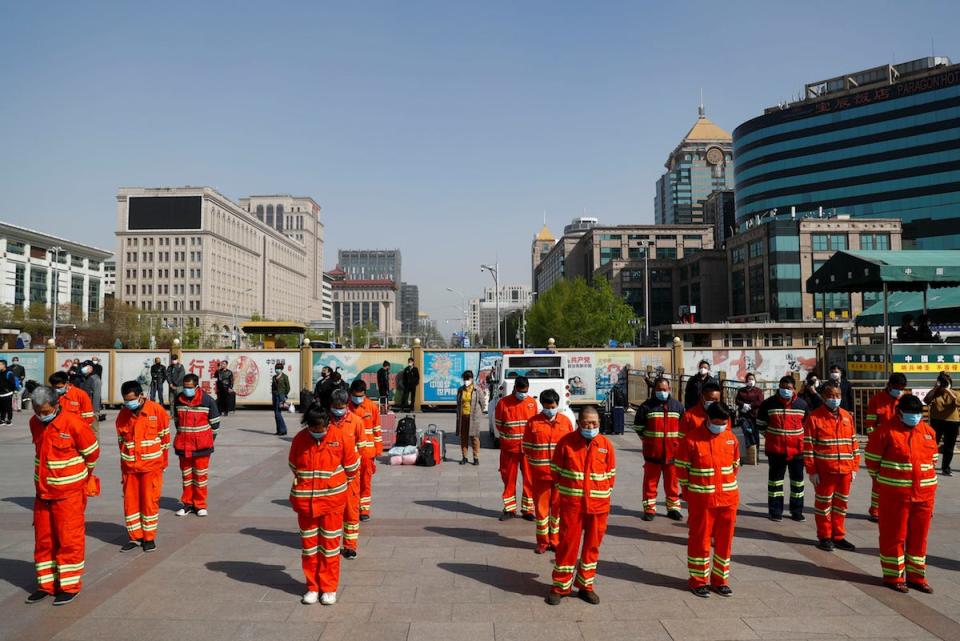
{"points": [[715, 156]]}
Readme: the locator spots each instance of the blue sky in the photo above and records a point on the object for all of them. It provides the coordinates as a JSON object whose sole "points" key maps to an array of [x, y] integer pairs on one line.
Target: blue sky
{"points": [[443, 128]]}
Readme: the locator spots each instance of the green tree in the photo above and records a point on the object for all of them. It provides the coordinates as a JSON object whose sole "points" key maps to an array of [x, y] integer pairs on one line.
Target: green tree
{"points": [[576, 314]]}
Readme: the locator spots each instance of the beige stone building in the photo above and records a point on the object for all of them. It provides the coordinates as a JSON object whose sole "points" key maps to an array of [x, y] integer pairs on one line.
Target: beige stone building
{"points": [[363, 303], [200, 259]]}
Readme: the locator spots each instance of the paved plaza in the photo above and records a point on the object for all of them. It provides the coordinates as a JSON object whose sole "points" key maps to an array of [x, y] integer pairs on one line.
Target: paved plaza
{"points": [[435, 563]]}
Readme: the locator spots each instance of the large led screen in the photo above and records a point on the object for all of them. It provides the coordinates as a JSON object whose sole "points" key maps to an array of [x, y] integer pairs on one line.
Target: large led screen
{"points": [[163, 212]]}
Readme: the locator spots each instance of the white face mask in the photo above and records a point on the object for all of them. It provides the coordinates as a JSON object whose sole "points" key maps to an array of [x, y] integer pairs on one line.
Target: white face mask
{"points": [[750, 382], [835, 376], [467, 382], [704, 371]]}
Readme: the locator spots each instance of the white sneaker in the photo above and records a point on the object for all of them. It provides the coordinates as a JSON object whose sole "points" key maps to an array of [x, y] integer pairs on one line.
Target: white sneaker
{"points": [[201, 512], [328, 598], [310, 598], [182, 512]]}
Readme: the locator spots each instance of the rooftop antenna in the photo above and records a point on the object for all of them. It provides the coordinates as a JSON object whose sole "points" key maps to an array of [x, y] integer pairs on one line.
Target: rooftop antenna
{"points": [[701, 110], [544, 217], [933, 51]]}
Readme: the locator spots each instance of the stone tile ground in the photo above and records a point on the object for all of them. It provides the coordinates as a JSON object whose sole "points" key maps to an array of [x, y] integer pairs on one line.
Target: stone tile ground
{"points": [[436, 564]]}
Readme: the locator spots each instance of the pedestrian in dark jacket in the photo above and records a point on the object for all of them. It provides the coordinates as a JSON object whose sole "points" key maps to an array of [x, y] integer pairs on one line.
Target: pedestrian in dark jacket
{"points": [[224, 381], [279, 390], [158, 377], [811, 392], [749, 398], [691, 395], [411, 380], [846, 389], [175, 374], [383, 385]]}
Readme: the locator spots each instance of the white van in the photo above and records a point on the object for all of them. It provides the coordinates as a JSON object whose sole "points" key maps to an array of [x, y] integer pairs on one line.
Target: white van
{"points": [[544, 371]]}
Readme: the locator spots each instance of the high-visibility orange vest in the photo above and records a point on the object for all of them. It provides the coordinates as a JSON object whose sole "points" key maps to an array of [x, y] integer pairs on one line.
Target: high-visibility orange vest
{"points": [[66, 453], [144, 438], [707, 466], [76, 401], [782, 421], [511, 416], [584, 471], [830, 442], [353, 429], [322, 469], [903, 460], [369, 413], [880, 408], [540, 439]]}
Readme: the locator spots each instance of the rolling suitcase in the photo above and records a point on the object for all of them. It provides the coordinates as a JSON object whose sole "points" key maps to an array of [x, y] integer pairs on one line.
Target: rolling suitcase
{"points": [[388, 425], [433, 430], [616, 420]]}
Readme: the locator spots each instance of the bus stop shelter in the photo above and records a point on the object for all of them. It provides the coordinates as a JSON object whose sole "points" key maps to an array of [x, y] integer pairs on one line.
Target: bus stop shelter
{"points": [[942, 306], [886, 272]]}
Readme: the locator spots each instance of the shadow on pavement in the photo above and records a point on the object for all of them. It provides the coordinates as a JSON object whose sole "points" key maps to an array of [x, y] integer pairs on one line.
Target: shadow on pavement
{"points": [[283, 502], [524, 583], [768, 535], [18, 573], [107, 532], [627, 532], [278, 537], [25, 502], [455, 506], [269, 576], [487, 537], [169, 503], [617, 510], [804, 568], [629, 572]]}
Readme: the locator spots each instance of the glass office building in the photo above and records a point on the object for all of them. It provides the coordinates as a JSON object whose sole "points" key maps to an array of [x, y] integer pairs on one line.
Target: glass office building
{"points": [[880, 143]]}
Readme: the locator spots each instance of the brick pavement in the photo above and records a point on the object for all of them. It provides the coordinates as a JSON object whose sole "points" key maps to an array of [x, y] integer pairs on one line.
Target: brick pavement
{"points": [[436, 564]]}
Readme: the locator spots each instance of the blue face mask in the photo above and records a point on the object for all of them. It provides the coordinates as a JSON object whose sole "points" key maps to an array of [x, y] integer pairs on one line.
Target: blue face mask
{"points": [[832, 403], [189, 392], [550, 412], [520, 395], [589, 434], [48, 417], [61, 391], [133, 405], [357, 400], [894, 392], [911, 420], [707, 404], [338, 411], [785, 393], [661, 395], [716, 428], [318, 435]]}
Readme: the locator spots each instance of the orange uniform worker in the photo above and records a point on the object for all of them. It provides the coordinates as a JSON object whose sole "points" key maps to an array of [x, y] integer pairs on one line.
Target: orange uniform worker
{"points": [[72, 399], [66, 453], [657, 422], [540, 439], [369, 413], [198, 420], [708, 460], [324, 461], [584, 468], [881, 409], [143, 434], [901, 456], [831, 456], [781, 418], [353, 430], [510, 418]]}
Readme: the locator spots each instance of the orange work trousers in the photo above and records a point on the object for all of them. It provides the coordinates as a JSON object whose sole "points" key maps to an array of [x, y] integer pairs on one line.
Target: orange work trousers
{"points": [[194, 471], [351, 516], [830, 505], [141, 503], [546, 502], [671, 486], [904, 525], [874, 498], [512, 464], [368, 467], [706, 523], [320, 540], [59, 539], [568, 568]]}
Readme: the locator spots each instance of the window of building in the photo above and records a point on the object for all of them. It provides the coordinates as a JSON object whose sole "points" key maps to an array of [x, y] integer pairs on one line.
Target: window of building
{"points": [[810, 339], [666, 252], [609, 236], [16, 247], [666, 237], [269, 215], [660, 275], [758, 301], [879, 242], [738, 340], [76, 291], [700, 340], [738, 254], [609, 253], [38, 285], [828, 242], [738, 290], [777, 340], [692, 237], [756, 249], [635, 252], [784, 244], [19, 285]]}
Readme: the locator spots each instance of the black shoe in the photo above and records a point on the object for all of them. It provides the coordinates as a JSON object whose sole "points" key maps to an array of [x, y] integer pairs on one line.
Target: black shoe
{"points": [[674, 515], [723, 590], [130, 545], [872, 518], [348, 553], [798, 516], [529, 517], [506, 516], [845, 545], [648, 516], [589, 596], [554, 598], [149, 546], [476, 461], [364, 517], [65, 597], [944, 472], [826, 545], [920, 587], [463, 461], [776, 517], [37, 596], [702, 591]]}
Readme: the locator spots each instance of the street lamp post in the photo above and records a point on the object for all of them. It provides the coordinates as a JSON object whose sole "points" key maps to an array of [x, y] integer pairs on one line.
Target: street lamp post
{"points": [[523, 323], [646, 292], [495, 272], [56, 287], [463, 303]]}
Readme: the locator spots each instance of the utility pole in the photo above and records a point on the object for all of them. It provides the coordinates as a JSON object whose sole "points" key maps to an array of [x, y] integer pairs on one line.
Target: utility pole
{"points": [[646, 292], [56, 287]]}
